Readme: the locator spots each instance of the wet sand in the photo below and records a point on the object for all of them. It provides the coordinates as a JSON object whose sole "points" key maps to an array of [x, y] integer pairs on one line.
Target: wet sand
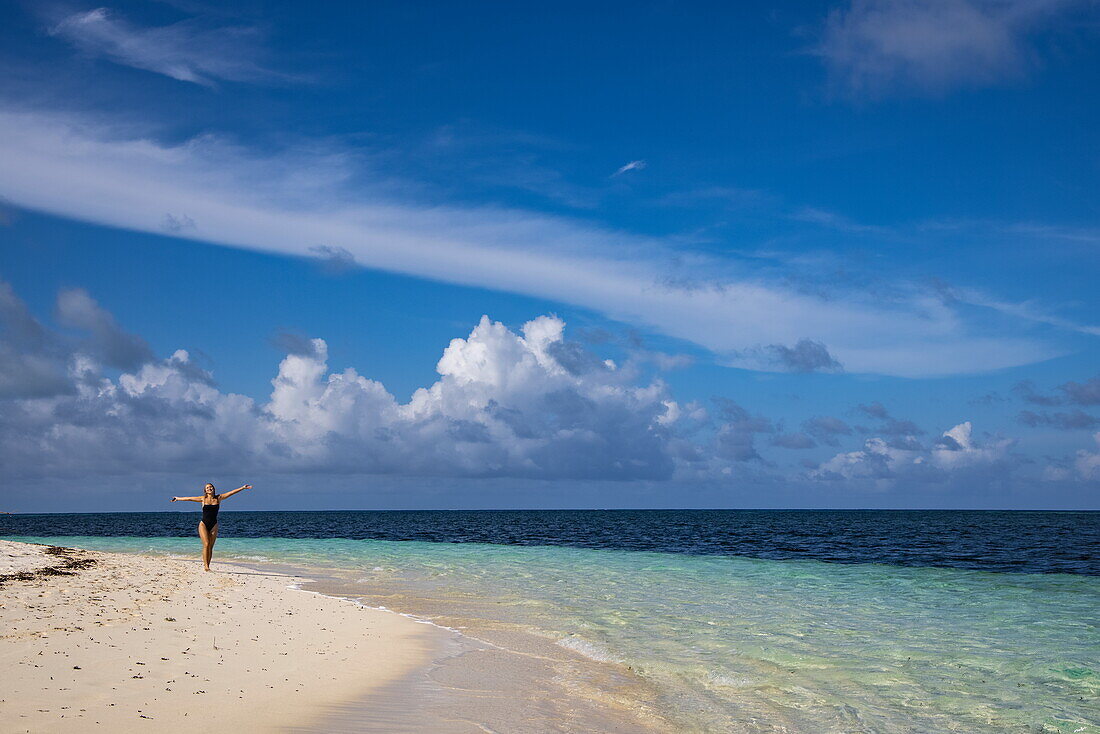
{"points": [[496, 677]]}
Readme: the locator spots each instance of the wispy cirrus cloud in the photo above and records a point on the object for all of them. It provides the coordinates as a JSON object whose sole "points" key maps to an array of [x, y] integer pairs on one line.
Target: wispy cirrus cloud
{"points": [[838, 222], [628, 167], [465, 155], [885, 46], [287, 202], [186, 51], [1025, 311]]}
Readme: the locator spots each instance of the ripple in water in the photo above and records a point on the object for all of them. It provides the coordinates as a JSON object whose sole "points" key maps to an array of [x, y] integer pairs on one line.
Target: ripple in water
{"points": [[759, 645]]}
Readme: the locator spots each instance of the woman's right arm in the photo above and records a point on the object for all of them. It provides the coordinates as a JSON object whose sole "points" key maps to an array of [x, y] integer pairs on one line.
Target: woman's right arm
{"points": [[187, 499]]}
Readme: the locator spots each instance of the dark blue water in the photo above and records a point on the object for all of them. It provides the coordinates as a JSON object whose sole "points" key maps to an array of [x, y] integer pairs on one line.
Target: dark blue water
{"points": [[1022, 542]]}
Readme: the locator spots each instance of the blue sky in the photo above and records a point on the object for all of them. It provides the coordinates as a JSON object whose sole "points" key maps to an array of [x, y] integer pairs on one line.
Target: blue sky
{"points": [[813, 255]]}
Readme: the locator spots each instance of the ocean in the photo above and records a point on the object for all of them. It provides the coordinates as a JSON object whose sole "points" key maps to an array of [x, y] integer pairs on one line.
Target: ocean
{"points": [[797, 621]]}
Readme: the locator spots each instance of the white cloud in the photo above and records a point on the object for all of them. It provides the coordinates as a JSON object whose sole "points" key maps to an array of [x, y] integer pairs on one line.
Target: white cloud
{"points": [[526, 405], [1087, 463], [632, 166], [875, 46], [289, 202], [184, 51], [505, 404], [885, 463], [957, 449], [877, 460], [1024, 311], [108, 342], [1053, 473], [32, 358]]}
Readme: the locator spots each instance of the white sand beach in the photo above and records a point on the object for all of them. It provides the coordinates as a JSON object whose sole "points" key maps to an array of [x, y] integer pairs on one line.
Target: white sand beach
{"points": [[136, 643], [131, 644]]}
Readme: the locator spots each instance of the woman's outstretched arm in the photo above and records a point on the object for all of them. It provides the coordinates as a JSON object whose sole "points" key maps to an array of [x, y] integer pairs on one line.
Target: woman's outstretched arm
{"points": [[187, 499], [232, 492]]}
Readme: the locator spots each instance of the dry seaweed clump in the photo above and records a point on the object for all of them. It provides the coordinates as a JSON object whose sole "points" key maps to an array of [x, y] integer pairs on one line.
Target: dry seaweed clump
{"points": [[71, 562]]}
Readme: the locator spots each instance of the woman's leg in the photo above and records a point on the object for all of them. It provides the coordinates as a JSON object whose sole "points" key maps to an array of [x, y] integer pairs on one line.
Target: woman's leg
{"points": [[213, 540], [207, 545]]}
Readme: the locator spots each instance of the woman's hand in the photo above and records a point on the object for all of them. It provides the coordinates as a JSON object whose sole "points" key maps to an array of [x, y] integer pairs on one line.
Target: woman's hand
{"points": [[174, 499], [247, 486]]}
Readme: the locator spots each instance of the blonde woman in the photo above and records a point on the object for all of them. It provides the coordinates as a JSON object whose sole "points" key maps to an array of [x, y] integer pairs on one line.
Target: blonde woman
{"points": [[208, 526]]}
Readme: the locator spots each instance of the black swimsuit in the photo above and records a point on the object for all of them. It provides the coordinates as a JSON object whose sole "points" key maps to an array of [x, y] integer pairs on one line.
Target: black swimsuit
{"points": [[210, 516]]}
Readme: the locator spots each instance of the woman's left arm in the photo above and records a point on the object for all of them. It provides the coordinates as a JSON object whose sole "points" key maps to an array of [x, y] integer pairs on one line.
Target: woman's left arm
{"points": [[232, 492]]}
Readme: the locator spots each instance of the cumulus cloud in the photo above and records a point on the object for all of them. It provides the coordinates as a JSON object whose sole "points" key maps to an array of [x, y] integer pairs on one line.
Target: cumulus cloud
{"points": [[888, 424], [875, 410], [988, 399], [638, 353], [736, 436], [805, 356], [875, 46], [1086, 393], [827, 429], [107, 342], [527, 404], [1087, 463], [33, 359], [1026, 391], [793, 441], [282, 202], [335, 260], [29, 353], [185, 51], [294, 343], [957, 448], [1068, 393], [877, 460], [1074, 420], [506, 404], [955, 452]]}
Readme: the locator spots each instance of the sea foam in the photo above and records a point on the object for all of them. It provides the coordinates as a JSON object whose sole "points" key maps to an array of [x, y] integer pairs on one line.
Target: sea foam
{"points": [[591, 650]]}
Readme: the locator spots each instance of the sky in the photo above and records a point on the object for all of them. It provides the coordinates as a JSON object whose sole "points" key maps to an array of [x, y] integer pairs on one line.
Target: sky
{"points": [[417, 255]]}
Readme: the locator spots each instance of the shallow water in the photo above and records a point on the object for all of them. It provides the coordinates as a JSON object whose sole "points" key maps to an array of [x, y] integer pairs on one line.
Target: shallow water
{"points": [[749, 644]]}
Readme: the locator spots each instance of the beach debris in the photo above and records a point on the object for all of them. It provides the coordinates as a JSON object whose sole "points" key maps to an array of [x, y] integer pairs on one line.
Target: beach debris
{"points": [[72, 561]]}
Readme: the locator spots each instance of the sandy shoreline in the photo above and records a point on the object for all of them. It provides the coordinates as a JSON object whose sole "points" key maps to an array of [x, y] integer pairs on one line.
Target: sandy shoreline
{"points": [[92, 639], [138, 643]]}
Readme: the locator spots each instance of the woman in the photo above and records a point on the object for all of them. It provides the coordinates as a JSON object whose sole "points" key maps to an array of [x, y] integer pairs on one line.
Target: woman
{"points": [[208, 526]]}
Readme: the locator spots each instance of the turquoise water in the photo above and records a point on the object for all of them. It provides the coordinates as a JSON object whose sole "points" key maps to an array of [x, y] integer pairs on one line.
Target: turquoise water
{"points": [[750, 644]]}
